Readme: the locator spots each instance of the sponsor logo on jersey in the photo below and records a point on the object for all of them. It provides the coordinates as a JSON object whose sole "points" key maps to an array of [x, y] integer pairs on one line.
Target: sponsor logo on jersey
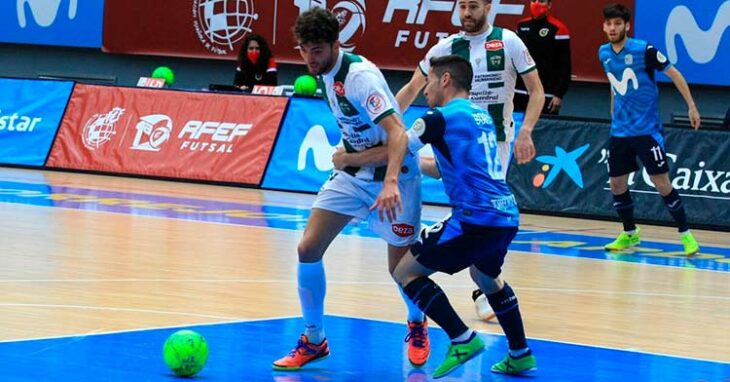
{"points": [[494, 45], [403, 230], [544, 32], [419, 127], [622, 86], [339, 88], [375, 104]]}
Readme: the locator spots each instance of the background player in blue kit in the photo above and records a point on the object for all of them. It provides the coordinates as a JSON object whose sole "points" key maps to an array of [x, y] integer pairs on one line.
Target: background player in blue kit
{"points": [[484, 217], [636, 128]]}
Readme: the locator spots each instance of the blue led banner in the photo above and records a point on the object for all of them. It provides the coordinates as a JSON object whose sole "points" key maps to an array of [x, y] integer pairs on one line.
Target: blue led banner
{"points": [[30, 113]]}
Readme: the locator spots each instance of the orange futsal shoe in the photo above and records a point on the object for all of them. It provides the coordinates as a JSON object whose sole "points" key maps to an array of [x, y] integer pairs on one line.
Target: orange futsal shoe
{"points": [[419, 347], [304, 353]]}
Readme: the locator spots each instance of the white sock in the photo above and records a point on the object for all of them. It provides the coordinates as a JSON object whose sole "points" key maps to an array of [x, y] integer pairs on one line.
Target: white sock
{"points": [[463, 337], [312, 288], [517, 353], [414, 312]]}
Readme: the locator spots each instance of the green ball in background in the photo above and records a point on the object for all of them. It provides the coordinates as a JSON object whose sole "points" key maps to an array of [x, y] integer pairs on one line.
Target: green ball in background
{"points": [[305, 85], [185, 352], [164, 73]]}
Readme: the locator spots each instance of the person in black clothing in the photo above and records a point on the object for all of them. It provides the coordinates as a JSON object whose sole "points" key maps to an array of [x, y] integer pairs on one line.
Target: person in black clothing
{"points": [[256, 64], [548, 41]]}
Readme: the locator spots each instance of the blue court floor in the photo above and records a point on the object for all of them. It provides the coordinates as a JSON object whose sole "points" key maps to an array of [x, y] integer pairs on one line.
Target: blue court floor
{"points": [[362, 350]]}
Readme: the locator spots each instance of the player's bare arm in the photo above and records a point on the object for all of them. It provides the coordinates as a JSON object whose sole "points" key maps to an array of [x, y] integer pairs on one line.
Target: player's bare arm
{"points": [[429, 167], [389, 199], [376, 156], [524, 147], [408, 93], [681, 84]]}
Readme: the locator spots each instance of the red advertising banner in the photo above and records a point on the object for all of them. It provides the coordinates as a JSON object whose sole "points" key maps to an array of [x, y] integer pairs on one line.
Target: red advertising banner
{"points": [[175, 134], [395, 34]]}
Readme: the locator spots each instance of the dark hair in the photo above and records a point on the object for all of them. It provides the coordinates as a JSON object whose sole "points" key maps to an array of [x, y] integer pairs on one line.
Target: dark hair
{"points": [[459, 68], [316, 25], [265, 56], [612, 11]]}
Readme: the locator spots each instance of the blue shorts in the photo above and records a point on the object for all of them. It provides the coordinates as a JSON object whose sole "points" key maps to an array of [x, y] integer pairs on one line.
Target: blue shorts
{"points": [[451, 246]]}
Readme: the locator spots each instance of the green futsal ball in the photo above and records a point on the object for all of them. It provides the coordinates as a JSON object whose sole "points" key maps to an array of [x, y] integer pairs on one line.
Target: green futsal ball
{"points": [[185, 352], [164, 73], [305, 85]]}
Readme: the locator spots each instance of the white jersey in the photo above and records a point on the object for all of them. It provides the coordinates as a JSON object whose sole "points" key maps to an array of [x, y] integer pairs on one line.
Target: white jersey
{"points": [[497, 56], [359, 97]]}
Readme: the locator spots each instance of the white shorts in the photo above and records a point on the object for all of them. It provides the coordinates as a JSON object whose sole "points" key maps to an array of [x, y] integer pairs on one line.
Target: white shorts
{"points": [[347, 195], [504, 151]]}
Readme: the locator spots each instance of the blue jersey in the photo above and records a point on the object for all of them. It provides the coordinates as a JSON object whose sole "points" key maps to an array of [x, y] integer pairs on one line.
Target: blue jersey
{"points": [[464, 141], [635, 96]]}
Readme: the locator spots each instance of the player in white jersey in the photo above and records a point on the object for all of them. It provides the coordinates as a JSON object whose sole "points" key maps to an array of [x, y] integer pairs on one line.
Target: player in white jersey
{"points": [[368, 116], [497, 56]]}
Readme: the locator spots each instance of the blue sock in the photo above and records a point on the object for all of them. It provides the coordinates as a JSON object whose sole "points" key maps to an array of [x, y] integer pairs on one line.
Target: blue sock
{"points": [[312, 288], [507, 310]]}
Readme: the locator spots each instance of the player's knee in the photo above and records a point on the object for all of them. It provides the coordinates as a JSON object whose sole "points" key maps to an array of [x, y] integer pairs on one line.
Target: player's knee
{"points": [[618, 186], [662, 183], [309, 252]]}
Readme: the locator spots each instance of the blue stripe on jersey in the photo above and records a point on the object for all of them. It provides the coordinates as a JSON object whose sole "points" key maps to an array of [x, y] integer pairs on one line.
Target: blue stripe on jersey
{"points": [[636, 98], [464, 140]]}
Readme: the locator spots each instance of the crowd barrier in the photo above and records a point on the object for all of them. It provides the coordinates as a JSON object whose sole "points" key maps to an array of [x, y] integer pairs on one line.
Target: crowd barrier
{"points": [[30, 111], [167, 133], [283, 143], [570, 175]]}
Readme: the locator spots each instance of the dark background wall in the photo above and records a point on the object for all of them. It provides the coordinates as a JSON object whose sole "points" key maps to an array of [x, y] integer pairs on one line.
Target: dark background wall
{"points": [[586, 100]]}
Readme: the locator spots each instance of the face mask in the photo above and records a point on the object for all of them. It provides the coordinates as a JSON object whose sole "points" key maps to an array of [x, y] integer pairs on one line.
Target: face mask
{"points": [[253, 56], [538, 9]]}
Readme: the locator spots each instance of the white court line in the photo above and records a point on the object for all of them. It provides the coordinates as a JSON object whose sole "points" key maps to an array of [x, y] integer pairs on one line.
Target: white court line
{"points": [[99, 332], [342, 282]]}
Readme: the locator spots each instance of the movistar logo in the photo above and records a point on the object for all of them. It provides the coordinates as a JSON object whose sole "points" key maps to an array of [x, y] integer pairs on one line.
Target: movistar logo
{"points": [[701, 45], [317, 142], [563, 161], [43, 11], [622, 86]]}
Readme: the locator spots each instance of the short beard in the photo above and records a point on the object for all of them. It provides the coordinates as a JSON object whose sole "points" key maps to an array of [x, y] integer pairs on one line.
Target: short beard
{"points": [[478, 25], [621, 37]]}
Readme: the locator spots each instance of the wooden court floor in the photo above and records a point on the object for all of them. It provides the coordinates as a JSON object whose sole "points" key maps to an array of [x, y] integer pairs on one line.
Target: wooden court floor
{"points": [[69, 271]]}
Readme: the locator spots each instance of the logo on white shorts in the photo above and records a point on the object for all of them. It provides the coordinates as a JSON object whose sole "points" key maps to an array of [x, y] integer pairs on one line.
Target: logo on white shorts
{"points": [[403, 230]]}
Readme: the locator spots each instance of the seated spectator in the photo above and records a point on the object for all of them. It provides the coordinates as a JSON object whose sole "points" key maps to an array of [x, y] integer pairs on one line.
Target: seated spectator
{"points": [[256, 64]]}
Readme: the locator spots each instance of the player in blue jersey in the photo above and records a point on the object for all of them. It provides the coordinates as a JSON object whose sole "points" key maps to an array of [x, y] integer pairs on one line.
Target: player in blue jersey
{"points": [[484, 217], [636, 128]]}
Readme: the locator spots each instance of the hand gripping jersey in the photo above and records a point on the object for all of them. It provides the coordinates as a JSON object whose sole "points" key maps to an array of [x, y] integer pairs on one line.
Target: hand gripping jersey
{"points": [[635, 94], [497, 56], [464, 141], [359, 98]]}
